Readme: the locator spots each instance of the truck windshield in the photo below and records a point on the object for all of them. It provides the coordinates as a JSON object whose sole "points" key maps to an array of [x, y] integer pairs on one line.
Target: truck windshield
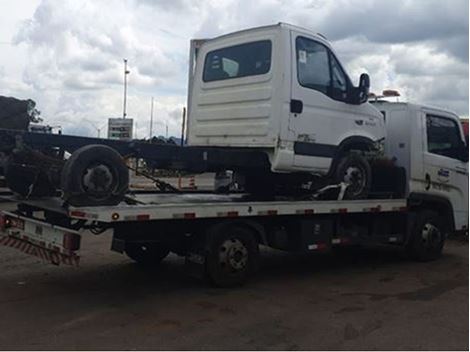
{"points": [[238, 61]]}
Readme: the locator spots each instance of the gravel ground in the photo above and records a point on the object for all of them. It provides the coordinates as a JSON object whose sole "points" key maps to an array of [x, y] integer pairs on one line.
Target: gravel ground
{"points": [[361, 299]]}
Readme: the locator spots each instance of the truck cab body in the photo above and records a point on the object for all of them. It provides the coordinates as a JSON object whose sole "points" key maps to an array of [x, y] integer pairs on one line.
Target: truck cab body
{"points": [[282, 90], [429, 143]]}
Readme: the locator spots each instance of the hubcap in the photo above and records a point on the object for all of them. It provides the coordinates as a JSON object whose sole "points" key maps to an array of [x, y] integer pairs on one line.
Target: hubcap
{"points": [[354, 176], [233, 255], [98, 179], [431, 236]]}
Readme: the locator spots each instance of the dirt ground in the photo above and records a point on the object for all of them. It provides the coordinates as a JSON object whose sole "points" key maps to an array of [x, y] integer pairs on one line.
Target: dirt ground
{"points": [[362, 299]]}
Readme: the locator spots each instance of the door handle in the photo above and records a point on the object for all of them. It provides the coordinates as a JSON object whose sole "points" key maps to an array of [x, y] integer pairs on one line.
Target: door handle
{"points": [[296, 106]]}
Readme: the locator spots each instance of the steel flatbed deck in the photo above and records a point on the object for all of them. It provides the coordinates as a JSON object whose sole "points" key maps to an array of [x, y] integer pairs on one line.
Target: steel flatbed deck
{"points": [[202, 205]]}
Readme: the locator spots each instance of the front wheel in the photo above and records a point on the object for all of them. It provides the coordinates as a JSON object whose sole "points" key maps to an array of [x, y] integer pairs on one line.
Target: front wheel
{"points": [[355, 171]]}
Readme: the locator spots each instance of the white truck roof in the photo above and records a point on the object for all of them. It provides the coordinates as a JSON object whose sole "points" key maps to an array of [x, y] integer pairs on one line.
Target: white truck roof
{"points": [[280, 25], [410, 106]]}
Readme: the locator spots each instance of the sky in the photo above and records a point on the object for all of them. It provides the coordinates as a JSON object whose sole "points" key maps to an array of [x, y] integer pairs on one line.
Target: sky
{"points": [[67, 55]]}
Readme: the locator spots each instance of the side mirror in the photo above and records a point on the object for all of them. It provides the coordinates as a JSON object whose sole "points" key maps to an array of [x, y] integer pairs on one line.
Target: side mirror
{"points": [[364, 85], [360, 94]]}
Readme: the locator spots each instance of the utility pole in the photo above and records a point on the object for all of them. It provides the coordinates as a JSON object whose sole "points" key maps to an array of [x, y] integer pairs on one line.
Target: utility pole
{"points": [[167, 130], [183, 126], [151, 119], [126, 72]]}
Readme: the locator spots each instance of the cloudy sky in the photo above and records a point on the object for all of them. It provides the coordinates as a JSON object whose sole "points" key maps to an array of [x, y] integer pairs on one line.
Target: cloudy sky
{"points": [[67, 54]]}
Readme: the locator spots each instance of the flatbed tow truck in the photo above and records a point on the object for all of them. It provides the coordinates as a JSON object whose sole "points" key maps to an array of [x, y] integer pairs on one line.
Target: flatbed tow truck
{"points": [[219, 234], [397, 173]]}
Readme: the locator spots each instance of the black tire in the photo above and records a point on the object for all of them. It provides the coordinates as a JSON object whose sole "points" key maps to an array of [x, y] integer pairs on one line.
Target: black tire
{"points": [[232, 256], [147, 254], [427, 237], [26, 180], [94, 175], [353, 168]]}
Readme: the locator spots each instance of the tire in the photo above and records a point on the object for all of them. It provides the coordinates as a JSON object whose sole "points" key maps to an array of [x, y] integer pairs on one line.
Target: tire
{"points": [[232, 256], [94, 175], [353, 168], [427, 236], [147, 254]]}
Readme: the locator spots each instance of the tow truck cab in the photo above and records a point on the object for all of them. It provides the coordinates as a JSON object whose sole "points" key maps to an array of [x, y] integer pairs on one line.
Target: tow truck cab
{"points": [[280, 89], [430, 144]]}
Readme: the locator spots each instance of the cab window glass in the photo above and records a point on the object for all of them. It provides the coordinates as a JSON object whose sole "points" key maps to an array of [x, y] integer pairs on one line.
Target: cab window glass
{"points": [[337, 75], [242, 60], [313, 67], [443, 136]]}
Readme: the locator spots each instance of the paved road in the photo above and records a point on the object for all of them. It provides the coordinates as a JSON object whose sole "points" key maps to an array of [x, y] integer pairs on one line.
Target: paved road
{"points": [[356, 299]]}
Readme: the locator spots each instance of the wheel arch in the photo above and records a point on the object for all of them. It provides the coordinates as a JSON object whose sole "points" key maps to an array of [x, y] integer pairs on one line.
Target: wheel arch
{"points": [[253, 226], [351, 143], [441, 205]]}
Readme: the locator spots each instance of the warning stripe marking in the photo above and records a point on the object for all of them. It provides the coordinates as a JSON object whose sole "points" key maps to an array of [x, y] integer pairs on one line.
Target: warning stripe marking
{"points": [[50, 256]]}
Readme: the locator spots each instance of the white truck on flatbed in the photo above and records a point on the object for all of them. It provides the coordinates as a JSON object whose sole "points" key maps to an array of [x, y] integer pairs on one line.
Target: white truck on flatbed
{"points": [[274, 105], [280, 90], [219, 235]]}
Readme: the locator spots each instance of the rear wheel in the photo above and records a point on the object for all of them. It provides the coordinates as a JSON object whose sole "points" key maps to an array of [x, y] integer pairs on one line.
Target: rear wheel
{"points": [[354, 170], [94, 175], [146, 253], [427, 237], [232, 256]]}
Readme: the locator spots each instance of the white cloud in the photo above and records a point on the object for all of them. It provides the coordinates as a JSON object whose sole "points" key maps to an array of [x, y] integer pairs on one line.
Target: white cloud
{"points": [[68, 54]]}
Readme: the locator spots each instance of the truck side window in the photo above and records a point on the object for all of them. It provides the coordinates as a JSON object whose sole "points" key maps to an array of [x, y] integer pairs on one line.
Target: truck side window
{"points": [[443, 136], [313, 68], [338, 80], [242, 60]]}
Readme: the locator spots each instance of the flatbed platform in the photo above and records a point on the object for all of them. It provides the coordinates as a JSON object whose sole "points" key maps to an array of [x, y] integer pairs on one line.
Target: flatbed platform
{"points": [[170, 206]]}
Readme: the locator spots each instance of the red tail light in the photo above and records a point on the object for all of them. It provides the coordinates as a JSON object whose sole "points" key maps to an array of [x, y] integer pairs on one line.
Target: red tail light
{"points": [[71, 241], [5, 222]]}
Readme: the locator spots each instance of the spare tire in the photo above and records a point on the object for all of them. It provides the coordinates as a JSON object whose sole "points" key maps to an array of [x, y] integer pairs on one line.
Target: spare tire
{"points": [[94, 175]]}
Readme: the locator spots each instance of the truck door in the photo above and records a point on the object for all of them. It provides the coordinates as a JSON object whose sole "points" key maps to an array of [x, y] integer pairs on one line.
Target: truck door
{"points": [[320, 117], [311, 118], [444, 173]]}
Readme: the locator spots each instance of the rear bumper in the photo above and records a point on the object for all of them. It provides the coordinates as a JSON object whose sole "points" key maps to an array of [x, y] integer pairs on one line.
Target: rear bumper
{"points": [[53, 244]]}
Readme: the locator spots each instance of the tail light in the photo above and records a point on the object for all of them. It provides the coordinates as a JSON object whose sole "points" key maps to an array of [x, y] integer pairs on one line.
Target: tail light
{"points": [[71, 241], [5, 222]]}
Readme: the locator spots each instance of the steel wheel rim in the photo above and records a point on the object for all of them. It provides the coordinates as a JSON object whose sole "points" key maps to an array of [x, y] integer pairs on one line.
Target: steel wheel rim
{"points": [[233, 255], [99, 180], [355, 177], [431, 236]]}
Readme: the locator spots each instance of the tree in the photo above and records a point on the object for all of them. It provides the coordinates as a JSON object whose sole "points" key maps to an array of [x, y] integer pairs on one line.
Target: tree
{"points": [[17, 114]]}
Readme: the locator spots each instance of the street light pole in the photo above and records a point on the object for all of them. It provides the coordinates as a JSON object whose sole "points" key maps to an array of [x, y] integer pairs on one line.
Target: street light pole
{"points": [[151, 120], [126, 72]]}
